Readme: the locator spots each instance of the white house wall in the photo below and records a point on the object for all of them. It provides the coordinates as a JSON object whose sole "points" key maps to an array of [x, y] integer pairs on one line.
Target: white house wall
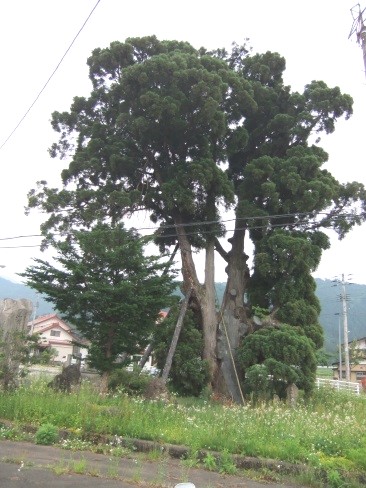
{"points": [[64, 336], [62, 352]]}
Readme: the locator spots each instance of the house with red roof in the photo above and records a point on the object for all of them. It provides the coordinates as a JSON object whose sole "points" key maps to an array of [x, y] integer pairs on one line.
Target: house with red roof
{"points": [[55, 333]]}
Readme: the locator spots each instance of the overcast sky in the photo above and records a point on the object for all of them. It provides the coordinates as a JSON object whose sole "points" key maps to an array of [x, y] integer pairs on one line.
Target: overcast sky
{"points": [[311, 35]]}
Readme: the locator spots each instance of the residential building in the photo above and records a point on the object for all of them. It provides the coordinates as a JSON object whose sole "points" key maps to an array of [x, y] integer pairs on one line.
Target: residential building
{"points": [[55, 333], [357, 349]]}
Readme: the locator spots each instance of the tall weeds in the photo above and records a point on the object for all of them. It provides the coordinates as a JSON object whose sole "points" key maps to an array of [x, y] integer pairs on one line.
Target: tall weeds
{"points": [[330, 430]]}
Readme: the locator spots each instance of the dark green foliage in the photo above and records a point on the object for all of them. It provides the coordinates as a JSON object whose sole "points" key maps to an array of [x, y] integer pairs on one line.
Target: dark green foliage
{"points": [[258, 383], [189, 373], [47, 434], [161, 120], [70, 376], [282, 279], [275, 357], [131, 382], [107, 288], [44, 356], [323, 358]]}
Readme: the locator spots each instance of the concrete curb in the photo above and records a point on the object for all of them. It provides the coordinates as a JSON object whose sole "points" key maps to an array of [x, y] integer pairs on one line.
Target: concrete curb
{"points": [[174, 451]]}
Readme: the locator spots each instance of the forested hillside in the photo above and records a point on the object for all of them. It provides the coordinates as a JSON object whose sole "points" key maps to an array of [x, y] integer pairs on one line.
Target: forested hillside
{"points": [[9, 289], [327, 292], [329, 296]]}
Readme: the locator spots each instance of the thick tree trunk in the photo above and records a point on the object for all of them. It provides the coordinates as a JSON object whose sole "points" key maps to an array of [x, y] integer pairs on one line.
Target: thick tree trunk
{"points": [[104, 381], [203, 296], [221, 334], [209, 315], [233, 320], [190, 279]]}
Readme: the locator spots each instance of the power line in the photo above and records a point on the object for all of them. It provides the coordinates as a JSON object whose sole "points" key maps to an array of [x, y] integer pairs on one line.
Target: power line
{"points": [[207, 232], [19, 237], [213, 222], [18, 247], [50, 77]]}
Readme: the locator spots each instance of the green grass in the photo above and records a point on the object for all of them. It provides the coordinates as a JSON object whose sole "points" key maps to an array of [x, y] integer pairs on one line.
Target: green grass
{"points": [[329, 432], [324, 372]]}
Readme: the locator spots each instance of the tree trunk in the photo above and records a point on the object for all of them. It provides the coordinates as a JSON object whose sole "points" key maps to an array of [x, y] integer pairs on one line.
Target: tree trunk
{"points": [[221, 335], [203, 296], [208, 311], [104, 381], [233, 320]]}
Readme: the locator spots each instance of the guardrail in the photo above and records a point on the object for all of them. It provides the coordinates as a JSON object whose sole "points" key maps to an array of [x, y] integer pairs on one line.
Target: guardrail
{"points": [[339, 385]]}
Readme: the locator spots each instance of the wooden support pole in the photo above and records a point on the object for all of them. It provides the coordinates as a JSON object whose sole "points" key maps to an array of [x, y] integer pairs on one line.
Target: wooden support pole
{"points": [[173, 345]]}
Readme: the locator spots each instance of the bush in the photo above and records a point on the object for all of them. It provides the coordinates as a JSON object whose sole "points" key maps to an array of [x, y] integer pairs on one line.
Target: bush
{"points": [[47, 434], [283, 353], [45, 357], [257, 382], [189, 374], [132, 382]]}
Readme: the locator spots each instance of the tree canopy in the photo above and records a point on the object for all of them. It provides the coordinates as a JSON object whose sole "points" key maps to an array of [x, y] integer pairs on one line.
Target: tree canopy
{"points": [[104, 285], [278, 357], [185, 133]]}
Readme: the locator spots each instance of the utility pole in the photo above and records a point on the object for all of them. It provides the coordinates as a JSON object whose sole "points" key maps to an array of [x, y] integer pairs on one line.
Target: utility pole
{"points": [[339, 347], [340, 364], [344, 299], [358, 28]]}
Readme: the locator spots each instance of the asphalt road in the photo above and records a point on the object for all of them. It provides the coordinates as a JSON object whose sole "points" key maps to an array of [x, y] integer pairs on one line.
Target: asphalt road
{"points": [[31, 477], [27, 465]]}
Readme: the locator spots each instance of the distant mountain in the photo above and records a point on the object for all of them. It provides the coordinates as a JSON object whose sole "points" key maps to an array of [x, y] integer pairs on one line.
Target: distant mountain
{"points": [[9, 289], [331, 315], [328, 294]]}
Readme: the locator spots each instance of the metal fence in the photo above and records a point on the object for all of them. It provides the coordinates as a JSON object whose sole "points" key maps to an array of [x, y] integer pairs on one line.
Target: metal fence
{"points": [[339, 385]]}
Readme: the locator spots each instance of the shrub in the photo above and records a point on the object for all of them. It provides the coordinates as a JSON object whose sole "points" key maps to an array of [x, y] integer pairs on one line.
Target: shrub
{"points": [[132, 382], [47, 434], [257, 382], [45, 357], [284, 353], [189, 374]]}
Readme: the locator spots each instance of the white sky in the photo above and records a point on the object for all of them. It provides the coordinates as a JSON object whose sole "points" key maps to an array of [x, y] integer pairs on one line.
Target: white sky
{"points": [[311, 35]]}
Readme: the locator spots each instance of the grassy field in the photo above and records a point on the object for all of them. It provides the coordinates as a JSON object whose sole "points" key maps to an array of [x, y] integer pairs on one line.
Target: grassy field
{"points": [[324, 372], [327, 433]]}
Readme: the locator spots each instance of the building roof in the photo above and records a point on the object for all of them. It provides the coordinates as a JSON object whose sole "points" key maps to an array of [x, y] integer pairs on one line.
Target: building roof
{"points": [[54, 325], [58, 323], [43, 318]]}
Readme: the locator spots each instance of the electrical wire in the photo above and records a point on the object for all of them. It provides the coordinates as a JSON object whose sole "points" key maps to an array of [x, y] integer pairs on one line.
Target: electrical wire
{"points": [[50, 77], [165, 236], [212, 222], [19, 247]]}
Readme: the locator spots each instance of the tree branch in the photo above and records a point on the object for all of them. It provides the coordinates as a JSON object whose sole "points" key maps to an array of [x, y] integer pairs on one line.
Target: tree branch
{"points": [[221, 250]]}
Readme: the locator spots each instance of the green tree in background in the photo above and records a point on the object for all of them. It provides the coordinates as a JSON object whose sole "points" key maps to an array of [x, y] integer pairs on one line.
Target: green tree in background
{"points": [[104, 284], [185, 134]]}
